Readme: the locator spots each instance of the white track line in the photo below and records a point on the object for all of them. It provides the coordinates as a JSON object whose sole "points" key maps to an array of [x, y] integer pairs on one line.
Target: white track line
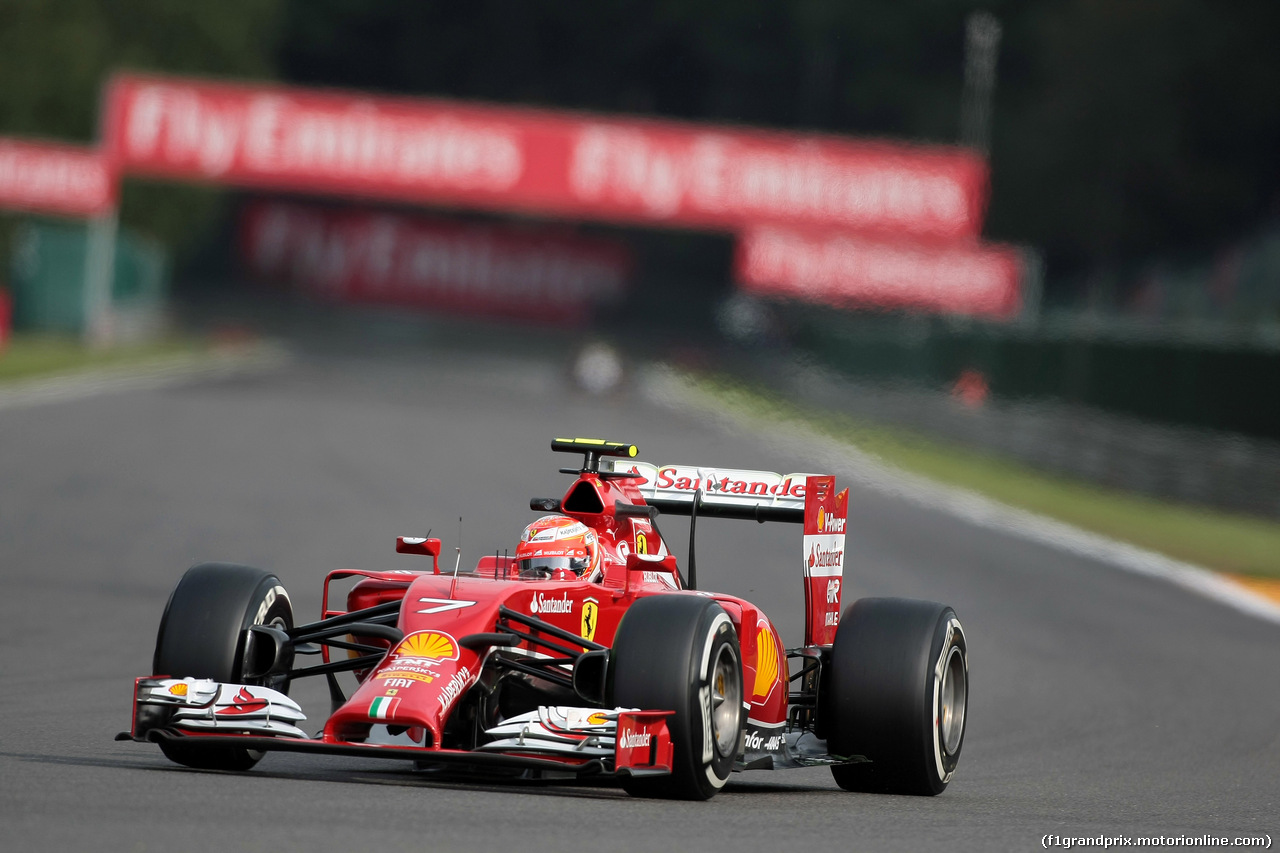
{"points": [[668, 388], [156, 374]]}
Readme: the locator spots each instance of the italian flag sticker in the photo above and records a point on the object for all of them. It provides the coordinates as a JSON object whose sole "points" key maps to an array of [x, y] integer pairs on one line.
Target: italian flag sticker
{"points": [[383, 708]]}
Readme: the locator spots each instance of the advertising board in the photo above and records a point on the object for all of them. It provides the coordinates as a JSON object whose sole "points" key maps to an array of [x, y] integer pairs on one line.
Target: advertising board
{"points": [[356, 255], [554, 163], [56, 178], [847, 270]]}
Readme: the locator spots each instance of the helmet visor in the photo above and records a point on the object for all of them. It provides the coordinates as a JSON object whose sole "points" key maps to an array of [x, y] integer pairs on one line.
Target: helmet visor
{"points": [[544, 567]]}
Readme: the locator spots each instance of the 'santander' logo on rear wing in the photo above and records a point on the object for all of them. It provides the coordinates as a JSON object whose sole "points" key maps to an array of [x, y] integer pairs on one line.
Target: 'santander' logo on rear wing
{"points": [[727, 487]]}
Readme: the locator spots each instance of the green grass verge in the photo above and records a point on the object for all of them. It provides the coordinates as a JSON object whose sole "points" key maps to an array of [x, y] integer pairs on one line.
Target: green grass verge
{"points": [[1218, 540], [27, 356]]}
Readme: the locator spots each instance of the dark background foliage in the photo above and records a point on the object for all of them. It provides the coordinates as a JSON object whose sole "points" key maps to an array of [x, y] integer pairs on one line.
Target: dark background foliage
{"points": [[1121, 129]]}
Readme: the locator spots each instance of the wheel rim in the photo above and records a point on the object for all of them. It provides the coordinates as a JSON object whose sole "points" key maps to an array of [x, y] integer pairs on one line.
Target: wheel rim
{"points": [[726, 701], [953, 694]]}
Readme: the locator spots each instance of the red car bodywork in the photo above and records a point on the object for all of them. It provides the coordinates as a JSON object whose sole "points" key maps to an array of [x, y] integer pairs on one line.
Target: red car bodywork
{"points": [[449, 623]]}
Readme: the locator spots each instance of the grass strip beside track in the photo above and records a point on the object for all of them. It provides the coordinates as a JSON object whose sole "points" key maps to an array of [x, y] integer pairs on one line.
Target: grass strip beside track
{"points": [[32, 356], [1226, 542]]}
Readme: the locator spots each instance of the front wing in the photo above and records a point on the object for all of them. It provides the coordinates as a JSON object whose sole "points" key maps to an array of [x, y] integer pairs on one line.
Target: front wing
{"points": [[579, 741]]}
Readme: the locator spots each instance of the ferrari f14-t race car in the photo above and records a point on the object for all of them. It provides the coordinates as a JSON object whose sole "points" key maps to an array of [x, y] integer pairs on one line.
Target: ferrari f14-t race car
{"points": [[588, 652]]}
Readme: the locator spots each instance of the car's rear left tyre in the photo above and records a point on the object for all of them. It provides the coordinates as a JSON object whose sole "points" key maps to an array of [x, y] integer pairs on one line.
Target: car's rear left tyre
{"points": [[204, 634], [680, 652], [896, 692]]}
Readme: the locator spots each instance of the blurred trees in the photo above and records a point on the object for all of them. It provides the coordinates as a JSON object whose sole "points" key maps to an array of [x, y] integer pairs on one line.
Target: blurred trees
{"points": [[56, 54], [1147, 126], [1121, 129]]}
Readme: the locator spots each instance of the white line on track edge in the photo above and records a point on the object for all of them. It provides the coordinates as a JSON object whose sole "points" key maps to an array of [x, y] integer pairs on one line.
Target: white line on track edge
{"points": [[666, 387]]}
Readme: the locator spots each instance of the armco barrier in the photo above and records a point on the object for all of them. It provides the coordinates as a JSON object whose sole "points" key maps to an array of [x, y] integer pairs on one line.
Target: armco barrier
{"points": [[1191, 422], [1222, 387], [1165, 460]]}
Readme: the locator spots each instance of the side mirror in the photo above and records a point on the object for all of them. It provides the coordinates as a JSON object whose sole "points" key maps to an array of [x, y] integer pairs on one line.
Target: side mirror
{"points": [[421, 546]]}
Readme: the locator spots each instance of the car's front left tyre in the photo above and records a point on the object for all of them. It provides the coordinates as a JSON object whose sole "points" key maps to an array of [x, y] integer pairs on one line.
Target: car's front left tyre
{"points": [[204, 633]]}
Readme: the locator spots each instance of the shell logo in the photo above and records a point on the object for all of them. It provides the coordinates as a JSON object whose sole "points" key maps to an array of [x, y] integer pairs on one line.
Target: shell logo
{"points": [[766, 663], [822, 519], [179, 689], [428, 644]]}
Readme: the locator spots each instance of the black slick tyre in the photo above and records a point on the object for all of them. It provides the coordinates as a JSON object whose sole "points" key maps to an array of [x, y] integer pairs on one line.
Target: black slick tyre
{"points": [[896, 692], [204, 634], [680, 652]]}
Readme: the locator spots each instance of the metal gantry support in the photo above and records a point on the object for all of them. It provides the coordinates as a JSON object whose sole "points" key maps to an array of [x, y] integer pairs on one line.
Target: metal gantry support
{"points": [[981, 48]]}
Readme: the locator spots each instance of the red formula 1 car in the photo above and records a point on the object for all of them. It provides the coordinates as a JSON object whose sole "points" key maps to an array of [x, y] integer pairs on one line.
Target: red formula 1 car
{"points": [[588, 652]]}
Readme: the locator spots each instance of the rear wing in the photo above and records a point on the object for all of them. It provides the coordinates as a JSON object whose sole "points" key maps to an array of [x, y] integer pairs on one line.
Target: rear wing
{"points": [[808, 499], [719, 492]]}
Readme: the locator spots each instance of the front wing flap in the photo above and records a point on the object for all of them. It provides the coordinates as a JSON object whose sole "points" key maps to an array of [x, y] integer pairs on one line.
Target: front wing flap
{"points": [[206, 706]]}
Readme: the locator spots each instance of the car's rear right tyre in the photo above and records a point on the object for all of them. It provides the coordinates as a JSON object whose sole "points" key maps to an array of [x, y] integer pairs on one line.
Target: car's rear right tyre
{"points": [[896, 692], [680, 652], [204, 634]]}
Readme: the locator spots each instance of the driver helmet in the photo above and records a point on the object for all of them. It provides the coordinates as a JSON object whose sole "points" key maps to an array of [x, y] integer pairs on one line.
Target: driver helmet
{"points": [[556, 547]]}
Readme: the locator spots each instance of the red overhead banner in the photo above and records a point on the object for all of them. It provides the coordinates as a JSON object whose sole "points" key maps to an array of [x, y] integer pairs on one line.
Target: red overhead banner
{"points": [[50, 177], [846, 270], [554, 163], [417, 261]]}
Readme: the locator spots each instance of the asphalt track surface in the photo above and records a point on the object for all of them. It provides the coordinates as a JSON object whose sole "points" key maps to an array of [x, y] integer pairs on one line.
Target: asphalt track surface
{"points": [[1102, 703]]}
